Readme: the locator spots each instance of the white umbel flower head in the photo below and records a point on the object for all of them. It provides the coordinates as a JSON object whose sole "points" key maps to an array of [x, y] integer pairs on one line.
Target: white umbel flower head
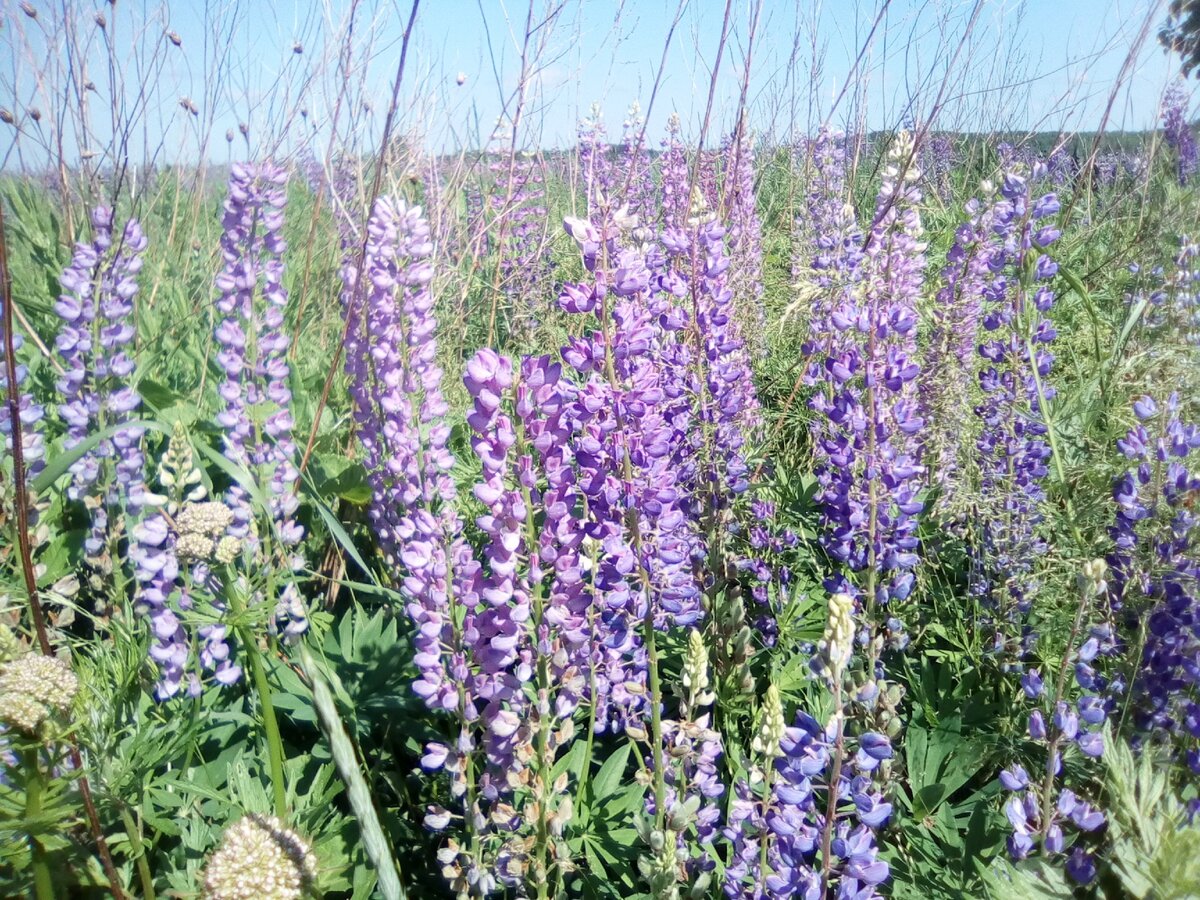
{"points": [[209, 518], [34, 687], [259, 859]]}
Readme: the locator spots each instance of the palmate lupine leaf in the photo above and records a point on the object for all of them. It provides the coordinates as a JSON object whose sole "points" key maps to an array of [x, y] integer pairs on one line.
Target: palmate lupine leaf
{"points": [[1156, 853]]}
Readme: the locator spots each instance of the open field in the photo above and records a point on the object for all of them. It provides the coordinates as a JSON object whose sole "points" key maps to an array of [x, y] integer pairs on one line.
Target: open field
{"points": [[792, 494]]}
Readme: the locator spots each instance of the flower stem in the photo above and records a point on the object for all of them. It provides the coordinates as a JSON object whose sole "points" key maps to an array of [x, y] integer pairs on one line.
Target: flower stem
{"points": [[262, 686], [139, 854], [835, 777], [35, 787]]}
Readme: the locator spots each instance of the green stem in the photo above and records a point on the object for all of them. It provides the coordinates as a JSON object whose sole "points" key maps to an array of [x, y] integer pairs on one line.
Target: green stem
{"points": [[139, 854], [35, 788], [262, 686]]}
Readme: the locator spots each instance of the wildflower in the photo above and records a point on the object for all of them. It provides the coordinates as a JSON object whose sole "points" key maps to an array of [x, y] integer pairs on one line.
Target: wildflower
{"points": [[33, 688], [256, 418], [1178, 132], [259, 859], [868, 411], [96, 307]]}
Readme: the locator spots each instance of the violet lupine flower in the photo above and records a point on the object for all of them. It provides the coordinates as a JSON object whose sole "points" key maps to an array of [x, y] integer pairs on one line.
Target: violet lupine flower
{"points": [[869, 471], [500, 643], [31, 414], [1013, 454], [730, 411], [1174, 311], [792, 821], [830, 265], [1178, 132], [937, 161], [256, 418], [543, 406], [674, 177], [633, 176], [950, 359], [595, 168], [163, 596], [96, 306], [745, 238], [1041, 809], [395, 389], [518, 227], [1061, 166], [624, 453], [1156, 570]]}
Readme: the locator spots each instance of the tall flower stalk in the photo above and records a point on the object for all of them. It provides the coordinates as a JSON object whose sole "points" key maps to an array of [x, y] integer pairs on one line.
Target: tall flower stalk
{"points": [[96, 308], [870, 422], [1178, 133], [1013, 452]]}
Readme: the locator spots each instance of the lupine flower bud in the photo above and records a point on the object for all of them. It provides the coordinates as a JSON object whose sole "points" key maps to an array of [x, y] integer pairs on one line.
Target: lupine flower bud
{"points": [[1091, 581], [695, 672], [837, 644], [259, 859], [33, 688], [771, 725]]}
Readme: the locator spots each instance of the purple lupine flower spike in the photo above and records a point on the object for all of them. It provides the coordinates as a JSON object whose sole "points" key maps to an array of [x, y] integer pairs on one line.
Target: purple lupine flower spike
{"points": [[1178, 132], [674, 178], [870, 468], [1012, 452], [31, 415], [96, 308]]}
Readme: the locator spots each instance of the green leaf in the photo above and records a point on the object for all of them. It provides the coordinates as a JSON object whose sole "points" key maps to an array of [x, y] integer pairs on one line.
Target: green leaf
{"points": [[609, 777]]}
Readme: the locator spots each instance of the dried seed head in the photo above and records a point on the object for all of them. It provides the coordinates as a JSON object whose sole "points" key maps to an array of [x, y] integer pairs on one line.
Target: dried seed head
{"points": [[29, 10], [6, 117], [174, 38], [461, 79], [259, 859], [297, 48], [35, 114], [100, 20], [229, 135], [34, 687], [244, 129]]}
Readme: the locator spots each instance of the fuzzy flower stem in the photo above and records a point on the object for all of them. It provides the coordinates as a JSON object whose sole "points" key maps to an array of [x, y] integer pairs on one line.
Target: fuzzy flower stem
{"points": [[35, 787], [262, 686], [138, 850]]}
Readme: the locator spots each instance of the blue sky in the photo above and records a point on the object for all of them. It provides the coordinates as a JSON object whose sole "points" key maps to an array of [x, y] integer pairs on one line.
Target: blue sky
{"points": [[1037, 65]]}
